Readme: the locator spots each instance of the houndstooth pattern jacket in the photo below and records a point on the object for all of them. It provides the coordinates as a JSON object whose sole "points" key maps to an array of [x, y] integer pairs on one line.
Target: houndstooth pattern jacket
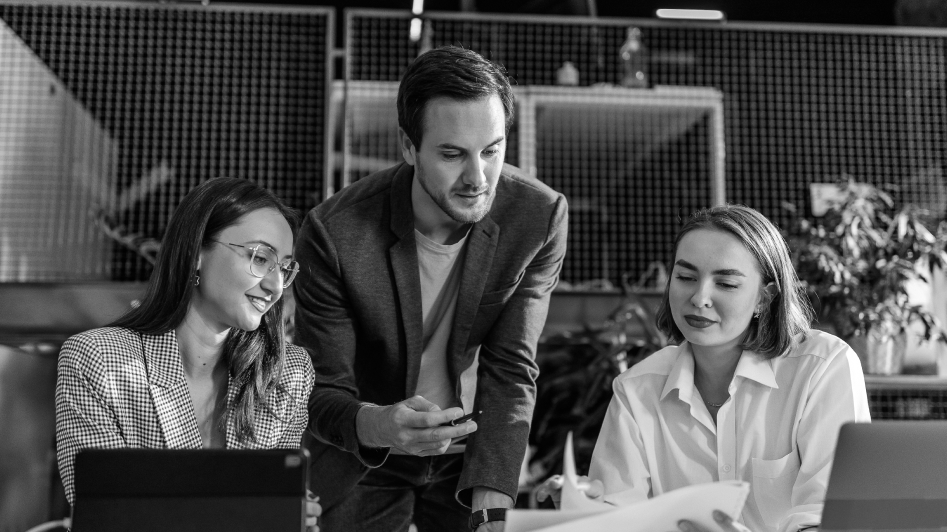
{"points": [[118, 388]]}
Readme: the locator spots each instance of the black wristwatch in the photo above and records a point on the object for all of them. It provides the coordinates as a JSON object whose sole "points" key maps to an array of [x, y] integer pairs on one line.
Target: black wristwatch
{"points": [[487, 514]]}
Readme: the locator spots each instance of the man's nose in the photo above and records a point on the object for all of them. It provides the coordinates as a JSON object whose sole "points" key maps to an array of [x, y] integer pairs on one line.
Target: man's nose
{"points": [[474, 173]]}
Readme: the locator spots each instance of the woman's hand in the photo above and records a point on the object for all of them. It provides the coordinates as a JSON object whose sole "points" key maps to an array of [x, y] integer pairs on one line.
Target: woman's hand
{"points": [[553, 488], [727, 524], [313, 511]]}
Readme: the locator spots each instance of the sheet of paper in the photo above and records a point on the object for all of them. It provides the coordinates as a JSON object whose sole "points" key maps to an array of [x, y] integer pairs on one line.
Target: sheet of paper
{"points": [[573, 498], [695, 503]]}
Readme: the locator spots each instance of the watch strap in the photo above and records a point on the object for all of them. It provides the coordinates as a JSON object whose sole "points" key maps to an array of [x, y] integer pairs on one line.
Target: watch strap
{"points": [[486, 515]]}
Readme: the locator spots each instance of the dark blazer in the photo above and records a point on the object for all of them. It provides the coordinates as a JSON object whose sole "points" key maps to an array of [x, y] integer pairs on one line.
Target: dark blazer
{"points": [[358, 313]]}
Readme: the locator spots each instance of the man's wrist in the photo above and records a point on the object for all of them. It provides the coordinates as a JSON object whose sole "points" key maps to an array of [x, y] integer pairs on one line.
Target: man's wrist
{"points": [[483, 497], [365, 426]]}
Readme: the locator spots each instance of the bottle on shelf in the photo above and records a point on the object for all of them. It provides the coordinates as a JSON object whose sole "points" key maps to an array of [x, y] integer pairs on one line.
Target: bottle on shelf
{"points": [[634, 60], [567, 74], [427, 37]]}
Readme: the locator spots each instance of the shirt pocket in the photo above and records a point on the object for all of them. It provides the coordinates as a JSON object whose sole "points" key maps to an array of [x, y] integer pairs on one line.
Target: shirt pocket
{"points": [[772, 486]]}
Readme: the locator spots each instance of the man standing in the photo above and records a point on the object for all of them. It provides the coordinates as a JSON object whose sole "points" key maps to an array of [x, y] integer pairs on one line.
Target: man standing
{"points": [[422, 296]]}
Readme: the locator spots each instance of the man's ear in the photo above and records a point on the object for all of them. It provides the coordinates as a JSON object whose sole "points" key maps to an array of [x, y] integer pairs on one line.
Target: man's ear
{"points": [[408, 150]]}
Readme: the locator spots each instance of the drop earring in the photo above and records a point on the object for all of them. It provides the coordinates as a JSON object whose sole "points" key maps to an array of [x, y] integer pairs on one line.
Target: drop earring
{"points": [[197, 278]]}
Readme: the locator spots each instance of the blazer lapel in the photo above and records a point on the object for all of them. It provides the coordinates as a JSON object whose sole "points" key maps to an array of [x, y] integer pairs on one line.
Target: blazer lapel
{"points": [[404, 263], [481, 246], [169, 391]]}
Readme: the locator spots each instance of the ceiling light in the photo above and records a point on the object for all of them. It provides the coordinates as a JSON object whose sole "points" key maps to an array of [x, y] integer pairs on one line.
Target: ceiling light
{"points": [[691, 14]]}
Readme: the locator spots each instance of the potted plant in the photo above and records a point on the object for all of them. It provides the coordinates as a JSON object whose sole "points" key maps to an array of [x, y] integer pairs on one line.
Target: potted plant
{"points": [[574, 387], [857, 261]]}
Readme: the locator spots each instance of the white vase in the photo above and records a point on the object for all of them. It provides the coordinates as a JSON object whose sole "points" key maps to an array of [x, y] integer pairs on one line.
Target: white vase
{"points": [[884, 351]]}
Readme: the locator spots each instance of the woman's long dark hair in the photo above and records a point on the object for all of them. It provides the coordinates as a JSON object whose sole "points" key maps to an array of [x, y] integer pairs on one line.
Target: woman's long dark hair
{"points": [[254, 358]]}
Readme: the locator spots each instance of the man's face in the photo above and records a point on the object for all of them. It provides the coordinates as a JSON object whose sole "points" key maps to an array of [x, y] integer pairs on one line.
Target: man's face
{"points": [[460, 157]]}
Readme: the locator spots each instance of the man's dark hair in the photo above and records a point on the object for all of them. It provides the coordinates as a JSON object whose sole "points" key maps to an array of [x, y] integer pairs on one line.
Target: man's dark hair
{"points": [[449, 72]]}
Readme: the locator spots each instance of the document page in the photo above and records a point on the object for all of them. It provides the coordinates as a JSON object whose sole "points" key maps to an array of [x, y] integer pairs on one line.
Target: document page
{"points": [[579, 513]]}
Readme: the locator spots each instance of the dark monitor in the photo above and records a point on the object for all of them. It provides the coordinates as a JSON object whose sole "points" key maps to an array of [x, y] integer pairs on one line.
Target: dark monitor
{"points": [[887, 476], [200, 490]]}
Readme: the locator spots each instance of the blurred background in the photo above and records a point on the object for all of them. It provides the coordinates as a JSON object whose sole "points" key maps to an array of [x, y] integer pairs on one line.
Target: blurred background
{"points": [[111, 111]]}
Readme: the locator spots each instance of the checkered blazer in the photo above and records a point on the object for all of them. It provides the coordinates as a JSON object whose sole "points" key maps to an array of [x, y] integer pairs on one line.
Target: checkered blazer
{"points": [[118, 388]]}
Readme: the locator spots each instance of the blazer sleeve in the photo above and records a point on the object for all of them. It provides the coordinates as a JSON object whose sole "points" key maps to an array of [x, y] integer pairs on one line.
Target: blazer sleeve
{"points": [[326, 329], [84, 414], [506, 377], [291, 438]]}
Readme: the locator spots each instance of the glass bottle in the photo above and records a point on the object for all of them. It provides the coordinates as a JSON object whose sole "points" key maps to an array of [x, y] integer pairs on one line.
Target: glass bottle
{"points": [[634, 59]]}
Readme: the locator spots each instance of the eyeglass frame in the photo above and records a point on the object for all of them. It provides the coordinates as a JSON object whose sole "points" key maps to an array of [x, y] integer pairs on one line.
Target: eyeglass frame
{"points": [[287, 281]]}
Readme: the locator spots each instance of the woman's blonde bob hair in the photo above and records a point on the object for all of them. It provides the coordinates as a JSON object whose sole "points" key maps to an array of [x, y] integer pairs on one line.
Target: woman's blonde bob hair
{"points": [[784, 319]]}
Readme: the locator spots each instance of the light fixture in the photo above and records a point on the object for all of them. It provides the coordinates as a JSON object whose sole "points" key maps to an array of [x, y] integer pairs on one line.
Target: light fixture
{"points": [[417, 8], [691, 14]]}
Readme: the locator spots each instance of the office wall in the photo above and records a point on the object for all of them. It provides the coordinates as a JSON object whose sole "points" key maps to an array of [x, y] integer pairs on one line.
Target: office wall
{"points": [[183, 93], [802, 104]]}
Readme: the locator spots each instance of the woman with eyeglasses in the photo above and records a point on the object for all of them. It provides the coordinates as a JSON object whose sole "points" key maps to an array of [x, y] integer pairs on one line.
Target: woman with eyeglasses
{"points": [[202, 361]]}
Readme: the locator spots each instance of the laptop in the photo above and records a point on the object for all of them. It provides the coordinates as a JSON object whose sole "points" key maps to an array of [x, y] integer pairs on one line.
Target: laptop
{"points": [[190, 490], [887, 476]]}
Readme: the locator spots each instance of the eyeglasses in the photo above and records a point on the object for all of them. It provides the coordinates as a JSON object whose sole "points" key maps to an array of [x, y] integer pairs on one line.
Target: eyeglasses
{"points": [[263, 260]]}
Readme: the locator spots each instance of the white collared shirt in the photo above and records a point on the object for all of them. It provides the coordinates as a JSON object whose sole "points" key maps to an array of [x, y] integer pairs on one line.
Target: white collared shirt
{"points": [[777, 431]]}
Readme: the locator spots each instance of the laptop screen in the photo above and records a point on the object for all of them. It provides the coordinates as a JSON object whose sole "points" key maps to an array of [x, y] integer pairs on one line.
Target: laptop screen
{"points": [[888, 475], [190, 489]]}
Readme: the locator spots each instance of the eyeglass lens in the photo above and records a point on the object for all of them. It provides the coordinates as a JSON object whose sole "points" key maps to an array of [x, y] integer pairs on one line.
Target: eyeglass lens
{"points": [[263, 261]]}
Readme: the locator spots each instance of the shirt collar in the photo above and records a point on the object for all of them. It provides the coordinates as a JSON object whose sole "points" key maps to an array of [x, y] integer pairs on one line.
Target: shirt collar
{"points": [[753, 366], [681, 377]]}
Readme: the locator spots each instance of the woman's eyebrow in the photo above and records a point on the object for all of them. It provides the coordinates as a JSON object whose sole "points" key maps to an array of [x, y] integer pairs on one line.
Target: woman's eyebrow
{"points": [[731, 272], [684, 264], [726, 271], [271, 246]]}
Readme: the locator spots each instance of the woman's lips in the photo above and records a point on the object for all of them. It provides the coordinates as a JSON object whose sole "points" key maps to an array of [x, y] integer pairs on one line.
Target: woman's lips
{"points": [[258, 303], [698, 322]]}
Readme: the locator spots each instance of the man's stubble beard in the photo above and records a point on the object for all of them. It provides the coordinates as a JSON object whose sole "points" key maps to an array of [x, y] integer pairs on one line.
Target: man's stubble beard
{"points": [[462, 216]]}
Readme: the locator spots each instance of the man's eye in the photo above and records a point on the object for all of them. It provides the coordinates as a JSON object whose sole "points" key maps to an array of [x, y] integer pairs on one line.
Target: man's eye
{"points": [[260, 260], [451, 156]]}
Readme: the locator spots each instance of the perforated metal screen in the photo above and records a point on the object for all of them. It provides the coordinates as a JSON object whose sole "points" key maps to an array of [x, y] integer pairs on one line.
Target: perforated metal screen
{"points": [[111, 112], [906, 398], [801, 104]]}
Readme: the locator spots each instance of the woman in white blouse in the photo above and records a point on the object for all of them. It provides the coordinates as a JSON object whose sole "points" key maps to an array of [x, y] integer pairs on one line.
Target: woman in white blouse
{"points": [[751, 393]]}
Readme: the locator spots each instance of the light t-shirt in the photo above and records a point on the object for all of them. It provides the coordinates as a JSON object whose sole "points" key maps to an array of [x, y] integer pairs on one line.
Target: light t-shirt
{"points": [[440, 267], [777, 430]]}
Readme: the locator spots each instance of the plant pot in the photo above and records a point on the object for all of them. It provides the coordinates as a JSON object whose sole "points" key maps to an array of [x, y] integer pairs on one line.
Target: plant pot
{"points": [[880, 351]]}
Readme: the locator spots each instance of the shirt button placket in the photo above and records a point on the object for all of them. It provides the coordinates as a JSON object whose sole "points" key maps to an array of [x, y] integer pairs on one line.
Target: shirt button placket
{"points": [[726, 442]]}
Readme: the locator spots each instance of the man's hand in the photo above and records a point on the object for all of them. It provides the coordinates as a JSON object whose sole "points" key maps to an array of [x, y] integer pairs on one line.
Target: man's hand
{"points": [[727, 524], [552, 488], [411, 426]]}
